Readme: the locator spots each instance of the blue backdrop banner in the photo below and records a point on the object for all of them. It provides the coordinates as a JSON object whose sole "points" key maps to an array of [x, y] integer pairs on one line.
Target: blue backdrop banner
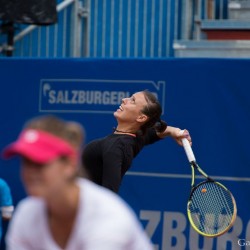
{"points": [[209, 97]]}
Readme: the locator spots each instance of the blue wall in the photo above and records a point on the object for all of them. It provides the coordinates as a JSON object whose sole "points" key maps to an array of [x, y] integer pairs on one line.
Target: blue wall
{"points": [[210, 97]]}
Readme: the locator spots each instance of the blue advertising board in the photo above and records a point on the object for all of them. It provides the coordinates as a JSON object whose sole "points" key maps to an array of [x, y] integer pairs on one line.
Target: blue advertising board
{"points": [[209, 97], [91, 96]]}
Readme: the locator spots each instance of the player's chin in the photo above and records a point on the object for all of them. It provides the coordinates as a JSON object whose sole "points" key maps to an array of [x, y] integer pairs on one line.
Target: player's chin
{"points": [[116, 113]]}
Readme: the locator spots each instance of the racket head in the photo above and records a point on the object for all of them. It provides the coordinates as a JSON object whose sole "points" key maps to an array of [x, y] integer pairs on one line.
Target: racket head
{"points": [[211, 209]]}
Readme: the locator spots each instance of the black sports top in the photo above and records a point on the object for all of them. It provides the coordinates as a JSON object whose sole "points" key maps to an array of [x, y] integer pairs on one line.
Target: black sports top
{"points": [[108, 159]]}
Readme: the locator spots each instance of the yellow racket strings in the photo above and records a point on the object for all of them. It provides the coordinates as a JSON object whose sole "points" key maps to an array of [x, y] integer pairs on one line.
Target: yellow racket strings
{"points": [[211, 208]]}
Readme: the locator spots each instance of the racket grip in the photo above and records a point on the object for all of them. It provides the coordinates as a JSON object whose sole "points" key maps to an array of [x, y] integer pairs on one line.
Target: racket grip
{"points": [[188, 150]]}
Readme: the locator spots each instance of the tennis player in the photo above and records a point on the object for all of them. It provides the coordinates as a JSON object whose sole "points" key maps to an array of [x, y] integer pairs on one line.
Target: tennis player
{"points": [[63, 211], [139, 124]]}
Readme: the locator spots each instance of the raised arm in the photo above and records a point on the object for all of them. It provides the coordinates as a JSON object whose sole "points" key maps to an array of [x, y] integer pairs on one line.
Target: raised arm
{"points": [[176, 134]]}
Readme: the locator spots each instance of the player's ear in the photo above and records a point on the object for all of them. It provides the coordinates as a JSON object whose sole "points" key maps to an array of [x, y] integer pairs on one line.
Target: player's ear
{"points": [[70, 165], [141, 118]]}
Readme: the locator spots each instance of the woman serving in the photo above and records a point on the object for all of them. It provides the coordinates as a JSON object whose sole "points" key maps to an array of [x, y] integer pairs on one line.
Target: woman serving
{"points": [[138, 124]]}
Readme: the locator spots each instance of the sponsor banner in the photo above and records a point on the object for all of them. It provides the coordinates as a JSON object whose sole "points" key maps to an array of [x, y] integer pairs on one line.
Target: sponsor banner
{"points": [[91, 96]]}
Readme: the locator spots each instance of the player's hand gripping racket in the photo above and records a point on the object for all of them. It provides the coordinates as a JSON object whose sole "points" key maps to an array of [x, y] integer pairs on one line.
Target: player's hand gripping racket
{"points": [[211, 206]]}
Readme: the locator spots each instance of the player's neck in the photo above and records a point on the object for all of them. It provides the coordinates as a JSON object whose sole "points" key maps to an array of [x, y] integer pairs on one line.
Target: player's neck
{"points": [[128, 132]]}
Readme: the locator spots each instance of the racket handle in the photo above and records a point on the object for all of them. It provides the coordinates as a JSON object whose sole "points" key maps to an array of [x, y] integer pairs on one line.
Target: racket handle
{"points": [[188, 150]]}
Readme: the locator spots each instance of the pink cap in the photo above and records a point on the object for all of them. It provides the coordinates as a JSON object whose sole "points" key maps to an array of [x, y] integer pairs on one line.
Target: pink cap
{"points": [[38, 146]]}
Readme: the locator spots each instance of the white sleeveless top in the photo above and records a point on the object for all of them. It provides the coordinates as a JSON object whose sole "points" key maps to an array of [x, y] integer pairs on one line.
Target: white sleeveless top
{"points": [[104, 222]]}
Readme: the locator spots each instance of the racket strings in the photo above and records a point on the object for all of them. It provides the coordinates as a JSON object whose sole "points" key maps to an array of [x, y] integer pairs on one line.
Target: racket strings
{"points": [[211, 208]]}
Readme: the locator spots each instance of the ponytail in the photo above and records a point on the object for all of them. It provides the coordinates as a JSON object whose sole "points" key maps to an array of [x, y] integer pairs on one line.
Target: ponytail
{"points": [[160, 126]]}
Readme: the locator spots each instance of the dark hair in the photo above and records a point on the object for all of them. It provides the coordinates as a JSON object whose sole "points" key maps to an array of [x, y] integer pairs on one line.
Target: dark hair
{"points": [[153, 111]]}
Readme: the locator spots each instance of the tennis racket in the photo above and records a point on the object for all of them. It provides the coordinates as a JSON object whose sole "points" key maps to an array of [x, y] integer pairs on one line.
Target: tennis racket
{"points": [[211, 207]]}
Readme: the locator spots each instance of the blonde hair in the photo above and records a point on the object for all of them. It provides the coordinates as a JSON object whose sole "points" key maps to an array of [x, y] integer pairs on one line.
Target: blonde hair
{"points": [[70, 131]]}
